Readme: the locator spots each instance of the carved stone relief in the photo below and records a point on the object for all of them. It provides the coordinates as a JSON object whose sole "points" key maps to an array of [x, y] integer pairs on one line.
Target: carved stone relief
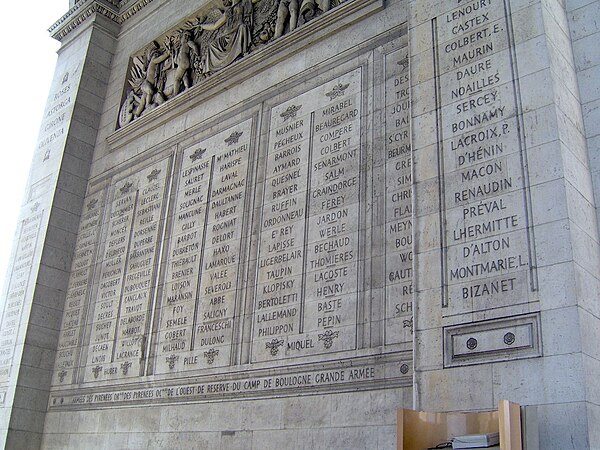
{"points": [[18, 285], [307, 288], [247, 264], [205, 44]]}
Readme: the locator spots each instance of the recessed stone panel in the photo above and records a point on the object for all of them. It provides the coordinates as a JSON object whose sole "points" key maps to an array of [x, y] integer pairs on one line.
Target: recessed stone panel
{"points": [[315, 378], [126, 274], [488, 259], [307, 298], [18, 286], [78, 295], [493, 340], [200, 296], [399, 236]]}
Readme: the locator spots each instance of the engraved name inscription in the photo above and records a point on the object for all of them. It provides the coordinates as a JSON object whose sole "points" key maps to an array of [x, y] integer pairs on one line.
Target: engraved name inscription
{"points": [[307, 283], [18, 286], [487, 259], [78, 291], [126, 277], [200, 294], [398, 200]]}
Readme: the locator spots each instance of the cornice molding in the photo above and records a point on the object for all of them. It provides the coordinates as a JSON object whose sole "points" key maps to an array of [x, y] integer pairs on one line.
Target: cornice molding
{"points": [[130, 7], [115, 10], [80, 12]]}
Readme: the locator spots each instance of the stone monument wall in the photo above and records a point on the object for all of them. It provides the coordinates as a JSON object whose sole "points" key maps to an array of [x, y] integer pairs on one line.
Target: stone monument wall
{"points": [[235, 249], [294, 218]]}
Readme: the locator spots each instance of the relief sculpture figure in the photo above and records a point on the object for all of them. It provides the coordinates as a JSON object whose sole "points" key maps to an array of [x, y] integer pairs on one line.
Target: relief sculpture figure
{"points": [[288, 9], [183, 60], [207, 44], [235, 38], [151, 94]]}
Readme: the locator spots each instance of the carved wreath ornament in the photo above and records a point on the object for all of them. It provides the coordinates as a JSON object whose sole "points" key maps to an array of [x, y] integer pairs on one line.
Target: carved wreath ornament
{"points": [[328, 338], [125, 367], [274, 345], [210, 355], [208, 43]]}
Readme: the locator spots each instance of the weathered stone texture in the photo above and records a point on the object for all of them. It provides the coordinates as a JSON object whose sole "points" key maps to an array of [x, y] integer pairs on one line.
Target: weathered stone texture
{"points": [[247, 228]]}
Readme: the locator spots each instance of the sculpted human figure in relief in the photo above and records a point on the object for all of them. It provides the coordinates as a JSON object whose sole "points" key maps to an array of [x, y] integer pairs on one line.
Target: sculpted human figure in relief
{"points": [[150, 92], [287, 9], [236, 36], [201, 48], [183, 61]]}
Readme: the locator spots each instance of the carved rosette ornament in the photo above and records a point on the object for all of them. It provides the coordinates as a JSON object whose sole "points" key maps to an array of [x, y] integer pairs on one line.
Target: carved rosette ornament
{"points": [[216, 38], [61, 375], [472, 343], [509, 338]]}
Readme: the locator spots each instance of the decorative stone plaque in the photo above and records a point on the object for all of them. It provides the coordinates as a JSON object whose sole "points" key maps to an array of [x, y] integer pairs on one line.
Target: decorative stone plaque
{"points": [[307, 283], [78, 294], [488, 259], [200, 293], [125, 291], [17, 287], [398, 200]]}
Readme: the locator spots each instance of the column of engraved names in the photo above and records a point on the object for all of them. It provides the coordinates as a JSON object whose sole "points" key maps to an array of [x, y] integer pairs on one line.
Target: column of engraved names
{"points": [[277, 307], [178, 300], [201, 293], [139, 283], [219, 287], [73, 323], [486, 236], [110, 280], [307, 268], [125, 283], [17, 288], [398, 200], [56, 116], [332, 282]]}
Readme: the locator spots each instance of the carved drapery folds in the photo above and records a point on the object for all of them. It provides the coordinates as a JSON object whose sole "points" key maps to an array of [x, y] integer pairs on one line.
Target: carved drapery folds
{"points": [[206, 44]]}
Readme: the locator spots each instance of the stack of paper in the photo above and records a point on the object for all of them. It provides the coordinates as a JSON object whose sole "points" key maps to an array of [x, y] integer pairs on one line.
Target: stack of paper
{"points": [[476, 441]]}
